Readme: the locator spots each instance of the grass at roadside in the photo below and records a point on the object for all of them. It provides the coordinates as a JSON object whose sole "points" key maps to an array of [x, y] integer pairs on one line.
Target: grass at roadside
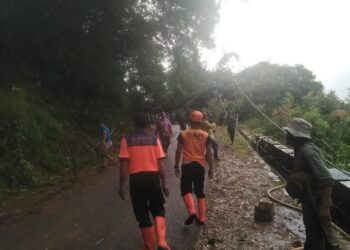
{"points": [[240, 147]]}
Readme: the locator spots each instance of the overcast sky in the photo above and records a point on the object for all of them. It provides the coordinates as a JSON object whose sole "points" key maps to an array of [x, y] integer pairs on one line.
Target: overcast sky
{"points": [[315, 33]]}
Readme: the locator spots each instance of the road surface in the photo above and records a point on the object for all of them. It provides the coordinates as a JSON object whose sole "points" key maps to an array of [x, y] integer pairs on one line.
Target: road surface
{"points": [[90, 215]]}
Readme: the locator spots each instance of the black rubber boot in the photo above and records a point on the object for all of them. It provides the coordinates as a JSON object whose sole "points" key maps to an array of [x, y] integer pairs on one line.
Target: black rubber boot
{"points": [[190, 220], [163, 248]]}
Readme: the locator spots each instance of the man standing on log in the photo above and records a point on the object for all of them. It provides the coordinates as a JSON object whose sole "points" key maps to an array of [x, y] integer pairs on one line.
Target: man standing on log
{"points": [[193, 143], [141, 155], [312, 184]]}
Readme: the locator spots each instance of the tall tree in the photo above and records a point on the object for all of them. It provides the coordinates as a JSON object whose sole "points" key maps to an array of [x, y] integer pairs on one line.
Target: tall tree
{"points": [[100, 49]]}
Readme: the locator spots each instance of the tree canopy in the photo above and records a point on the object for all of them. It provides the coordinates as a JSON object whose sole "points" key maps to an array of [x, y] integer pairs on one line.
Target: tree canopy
{"points": [[66, 65], [98, 49]]}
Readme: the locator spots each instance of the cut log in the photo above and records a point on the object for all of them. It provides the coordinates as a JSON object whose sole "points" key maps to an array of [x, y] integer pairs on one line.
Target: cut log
{"points": [[264, 211]]}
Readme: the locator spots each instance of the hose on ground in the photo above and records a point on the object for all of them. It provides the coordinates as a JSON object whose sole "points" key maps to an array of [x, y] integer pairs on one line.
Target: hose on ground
{"points": [[342, 232], [279, 201], [345, 235]]}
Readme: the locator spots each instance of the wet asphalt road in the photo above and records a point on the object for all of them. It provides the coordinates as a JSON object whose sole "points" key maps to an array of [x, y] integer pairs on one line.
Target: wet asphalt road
{"points": [[91, 216]]}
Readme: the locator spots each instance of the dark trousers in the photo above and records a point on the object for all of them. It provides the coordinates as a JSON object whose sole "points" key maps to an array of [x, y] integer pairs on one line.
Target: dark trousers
{"points": [[192, 178], [165, 141], [146, 196], [319, 236], [215, 147]]}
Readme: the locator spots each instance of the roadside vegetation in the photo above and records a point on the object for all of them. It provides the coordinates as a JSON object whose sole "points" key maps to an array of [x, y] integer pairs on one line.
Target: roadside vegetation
{"points": [[67, 66], [282, 92]]}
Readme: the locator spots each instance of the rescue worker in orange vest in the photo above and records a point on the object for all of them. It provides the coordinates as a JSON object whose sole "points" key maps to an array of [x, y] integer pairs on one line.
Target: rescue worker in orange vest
{"points": [[193, 143], [141, 155]]}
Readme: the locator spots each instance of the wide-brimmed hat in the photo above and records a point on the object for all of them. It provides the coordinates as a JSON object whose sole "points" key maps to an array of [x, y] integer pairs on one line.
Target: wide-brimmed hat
{"points": [[299, 127], [196, 116]]}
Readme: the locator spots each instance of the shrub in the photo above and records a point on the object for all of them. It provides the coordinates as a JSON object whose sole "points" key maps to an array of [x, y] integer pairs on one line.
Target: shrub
{"points": [[17, 174]]}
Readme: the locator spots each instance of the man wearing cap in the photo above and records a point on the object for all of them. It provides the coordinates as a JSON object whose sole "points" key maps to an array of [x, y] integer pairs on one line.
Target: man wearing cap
{"points": [[193, 143], [141, 155], [315, 188]]}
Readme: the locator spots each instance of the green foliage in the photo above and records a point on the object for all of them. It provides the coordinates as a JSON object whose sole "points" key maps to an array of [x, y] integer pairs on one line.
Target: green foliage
{"points": [[15, 169], [271, 86], [251, 125], [319, 123], [34, 141], [17, 173], [87, 52], [283, 92], [281, 115], [76, 63], [343, 159], [329, 103], [216, 108]]}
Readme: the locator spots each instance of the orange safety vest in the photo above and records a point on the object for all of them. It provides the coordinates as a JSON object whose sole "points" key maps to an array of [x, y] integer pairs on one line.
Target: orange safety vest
{"points": [[194, 142], [143, 151]]}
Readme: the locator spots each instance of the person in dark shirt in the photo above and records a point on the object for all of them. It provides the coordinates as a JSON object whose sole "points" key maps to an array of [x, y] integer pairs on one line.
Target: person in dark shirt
{"points": [[141, 157], [315, 188], [231, 126], [182, 121]]}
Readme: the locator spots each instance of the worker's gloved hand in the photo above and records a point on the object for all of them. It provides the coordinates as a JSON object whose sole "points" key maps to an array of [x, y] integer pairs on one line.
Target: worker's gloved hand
{"points": [[324, 214], [324, 210]]}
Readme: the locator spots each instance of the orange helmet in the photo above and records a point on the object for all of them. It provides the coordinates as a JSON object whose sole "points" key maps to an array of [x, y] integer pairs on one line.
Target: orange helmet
{"points": [[196, 116]]}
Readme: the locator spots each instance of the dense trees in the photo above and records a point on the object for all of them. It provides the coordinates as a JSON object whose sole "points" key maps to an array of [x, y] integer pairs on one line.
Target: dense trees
{"points": [[66, 65], [93, 50], [282, 92]]}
